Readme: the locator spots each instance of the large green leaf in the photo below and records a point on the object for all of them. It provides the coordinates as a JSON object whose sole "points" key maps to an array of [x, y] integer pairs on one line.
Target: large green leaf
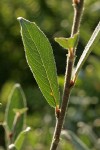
{"points": [[15, 120], [68, 43], [40, 59]]}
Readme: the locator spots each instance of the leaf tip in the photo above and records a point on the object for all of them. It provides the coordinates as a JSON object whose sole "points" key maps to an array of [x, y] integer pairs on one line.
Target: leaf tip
{"points": [[20, 19], [17, 85], [28, 129], [11, 146], [55, 39]]}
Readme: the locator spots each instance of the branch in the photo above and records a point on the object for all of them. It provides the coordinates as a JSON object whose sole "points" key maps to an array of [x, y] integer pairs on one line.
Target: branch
{"points": [[78, 7]]}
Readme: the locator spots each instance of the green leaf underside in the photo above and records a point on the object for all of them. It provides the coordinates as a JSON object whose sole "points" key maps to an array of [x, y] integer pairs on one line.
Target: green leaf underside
{"points": [[68, 43], [90, 45], [20, 140], [16, 100], [40, 59]]}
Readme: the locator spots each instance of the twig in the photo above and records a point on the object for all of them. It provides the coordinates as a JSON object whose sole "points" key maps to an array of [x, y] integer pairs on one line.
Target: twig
{"points": [[78, 7]]}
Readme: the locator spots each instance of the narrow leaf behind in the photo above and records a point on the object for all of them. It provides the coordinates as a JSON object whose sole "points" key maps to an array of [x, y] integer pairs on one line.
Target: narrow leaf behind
{"points": [[39, 55], [90, 45], [77, 143]]}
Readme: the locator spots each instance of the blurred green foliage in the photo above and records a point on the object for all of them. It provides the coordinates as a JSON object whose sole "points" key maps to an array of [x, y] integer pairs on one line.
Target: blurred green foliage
{"points": [[54, 17]]}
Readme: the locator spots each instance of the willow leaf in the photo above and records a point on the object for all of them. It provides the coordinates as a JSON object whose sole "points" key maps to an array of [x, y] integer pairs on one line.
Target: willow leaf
{"points": [[90, 45], [20, 140], [75, 141], [16, 100], [39, 55], [68, 43]]}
